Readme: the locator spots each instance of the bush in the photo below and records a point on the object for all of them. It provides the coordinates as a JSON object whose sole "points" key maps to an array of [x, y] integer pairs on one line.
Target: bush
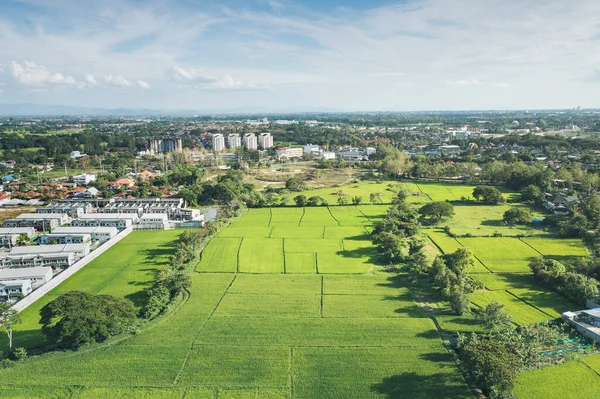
{"points": [[18, 354]]}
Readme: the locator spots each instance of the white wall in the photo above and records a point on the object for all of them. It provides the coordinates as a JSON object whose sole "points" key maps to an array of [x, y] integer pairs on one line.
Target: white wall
{"points": [[43, 290]]}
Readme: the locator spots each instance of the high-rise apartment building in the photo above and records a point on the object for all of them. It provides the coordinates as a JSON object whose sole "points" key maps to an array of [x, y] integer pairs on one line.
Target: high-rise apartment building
{"points": [[234, 140], [218, 142], [265, 141], [250, 142]]}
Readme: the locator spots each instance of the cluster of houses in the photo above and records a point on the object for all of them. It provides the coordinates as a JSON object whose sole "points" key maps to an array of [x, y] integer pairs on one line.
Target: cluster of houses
{"points": [[34, 247]]}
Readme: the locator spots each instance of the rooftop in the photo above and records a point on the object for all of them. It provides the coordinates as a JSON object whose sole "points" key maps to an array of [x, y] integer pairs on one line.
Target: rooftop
{"points": [[24, 272]]}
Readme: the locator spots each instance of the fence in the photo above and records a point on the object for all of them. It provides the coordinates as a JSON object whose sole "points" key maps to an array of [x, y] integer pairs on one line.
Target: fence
{"points": [[43, 290]]}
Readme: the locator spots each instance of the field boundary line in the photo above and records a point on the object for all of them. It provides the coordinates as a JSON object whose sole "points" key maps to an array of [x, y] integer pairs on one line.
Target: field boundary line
{"points": [[237, 266], [301, 216], [291, 371], [529, 304], [317, 262], [436, 244], [423, 192], [322, 292], [283, 251], [368, 218], [588, 366], [331, 214], [530, 246], [270, 217], [323, 235], [475, 256], [121, 270], [192, 344]]}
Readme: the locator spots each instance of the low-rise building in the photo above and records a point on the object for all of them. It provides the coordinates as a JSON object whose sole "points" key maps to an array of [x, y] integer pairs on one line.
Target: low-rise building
{"points": [[73, 209], [64, 238], [587, 322], [154, 221], [9, 237], [14, 290], [99, 234], [39, 221], [54, 260], [37, 275], [78, 250], [84, 179], [119, 221], [289, 153]]}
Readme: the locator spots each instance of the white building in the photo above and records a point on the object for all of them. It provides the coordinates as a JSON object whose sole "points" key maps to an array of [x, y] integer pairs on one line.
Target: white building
{"points": [[154, 221], [288, 153], [78, 250], [64, 238], [37, 275], [218, 142], [234, 140], [14, 290], [312, 149], [73, 209], [10, 236], [77, 154], [265, 141], [39, 221], [84, 179], [250, 142], [54, 260], [119, 221], [100, 234], [327, 155]]}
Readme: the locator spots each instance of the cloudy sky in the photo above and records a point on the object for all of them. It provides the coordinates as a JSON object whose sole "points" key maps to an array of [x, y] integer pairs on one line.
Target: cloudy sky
{"points": [[301, 54]]}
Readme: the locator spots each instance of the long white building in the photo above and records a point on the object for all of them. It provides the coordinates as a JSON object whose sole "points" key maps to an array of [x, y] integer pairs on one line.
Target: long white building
{"points": [[78, 250], [9, 236], [37, 275], [265, 141], [99, 234], [218, 142], [39, 221], [234, 140], [250, 142]]}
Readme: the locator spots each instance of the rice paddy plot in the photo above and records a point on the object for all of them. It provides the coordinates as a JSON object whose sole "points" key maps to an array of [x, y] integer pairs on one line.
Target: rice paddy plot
{"points": [[297, 232], [358, 285], [376, 373], [286, 217], [220, 255], [398, 304], [547, 301], [275, 284], [459, 324], [568, 380], [349, 216], [301, 262], [312, 245], [349, 232], [346, 262], [521, 313], [501, 254], [238, 366], [486, 220], [317, 216], [297, 332], [246, 232], [254, 305], [561, 249], [255, 217], [261, 255], [449, 244]]}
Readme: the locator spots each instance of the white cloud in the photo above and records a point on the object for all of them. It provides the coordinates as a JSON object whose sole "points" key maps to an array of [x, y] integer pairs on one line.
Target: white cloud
{"points": [[117, 81], [472, 82], [203, 81], [143, 84], [33, 75], [503, 85]]}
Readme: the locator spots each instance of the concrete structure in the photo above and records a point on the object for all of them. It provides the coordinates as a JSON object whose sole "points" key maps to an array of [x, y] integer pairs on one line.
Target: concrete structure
{"points": [[10, 236], [78, 250], [217, 142], [84, 179], [136, 209], [39, 221], [153, 221], [587, 322], [250, 142], [64, 238], [288, 153], [265, 141], [73, 209], [99, 234], [54, 260], [234, 140], [37, 275], [120, 221], [166, 144], [13, 290]]}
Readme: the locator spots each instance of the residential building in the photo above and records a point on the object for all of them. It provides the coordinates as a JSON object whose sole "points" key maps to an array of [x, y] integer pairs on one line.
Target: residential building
{"points": [[99, 234], [55, 260], [37, 275], [84, 179], [265, 141], [218, 142], [234, 140], [39, 221], [64, 238], [78, 250], [587, 322], [166, 144], [288, 153], [77, 154], [119, 220], [73, 209], [154, 221], [14, 290], [9, 237], [250, 142], [135, 209]]}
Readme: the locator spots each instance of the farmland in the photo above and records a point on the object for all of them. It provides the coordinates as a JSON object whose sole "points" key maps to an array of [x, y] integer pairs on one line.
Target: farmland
{"points": [[277, 309], [293, 303]]}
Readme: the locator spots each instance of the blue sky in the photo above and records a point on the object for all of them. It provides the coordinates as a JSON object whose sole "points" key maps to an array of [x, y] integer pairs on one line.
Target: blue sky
{"points": [[301, 54]]}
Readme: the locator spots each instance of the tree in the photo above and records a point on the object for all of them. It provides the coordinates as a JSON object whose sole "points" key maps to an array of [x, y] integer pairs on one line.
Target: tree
{"points": [[315, 201], [493, 317], [517, 215], [532, 193], [491, 365], [300, 200], [356, 200], [8, 318], [435, 212], [459, 301], [342, 200], [488, 195], [590, 207], [76, 318], [295, 184]]}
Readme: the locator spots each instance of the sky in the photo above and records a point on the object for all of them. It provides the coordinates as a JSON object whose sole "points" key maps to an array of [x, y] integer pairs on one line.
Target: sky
{"points": [[292, 55]]}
